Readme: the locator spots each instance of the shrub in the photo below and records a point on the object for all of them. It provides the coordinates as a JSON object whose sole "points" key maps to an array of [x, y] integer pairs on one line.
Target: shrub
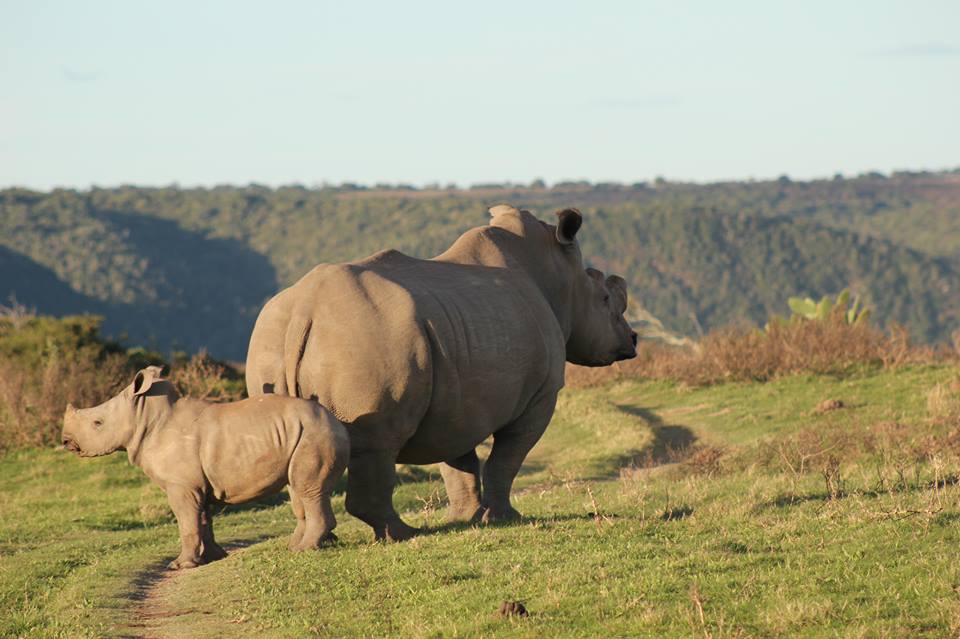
{"points": [[46, 363], [831, 345], [203, 377]]}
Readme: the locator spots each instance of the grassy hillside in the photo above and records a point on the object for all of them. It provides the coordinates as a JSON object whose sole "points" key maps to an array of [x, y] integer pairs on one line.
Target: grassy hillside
{"points": [[190, 268], [651, 509]]}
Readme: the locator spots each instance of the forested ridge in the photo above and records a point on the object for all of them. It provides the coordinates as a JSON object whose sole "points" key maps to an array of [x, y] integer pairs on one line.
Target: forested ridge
{"points": [[190, 268]]}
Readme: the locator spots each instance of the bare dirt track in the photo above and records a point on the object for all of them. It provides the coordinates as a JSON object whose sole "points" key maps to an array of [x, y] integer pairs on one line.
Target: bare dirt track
{"points": [[152, 614], [149, 609]]}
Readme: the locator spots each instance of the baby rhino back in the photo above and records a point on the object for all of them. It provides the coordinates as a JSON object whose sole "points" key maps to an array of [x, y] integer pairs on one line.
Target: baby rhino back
{"points": [[248, 446]]}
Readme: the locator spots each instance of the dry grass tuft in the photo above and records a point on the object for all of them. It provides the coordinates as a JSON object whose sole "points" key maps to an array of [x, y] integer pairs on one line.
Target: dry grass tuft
{"points": [[704, 459], [943, 402], [828, 405], [203, 377]]}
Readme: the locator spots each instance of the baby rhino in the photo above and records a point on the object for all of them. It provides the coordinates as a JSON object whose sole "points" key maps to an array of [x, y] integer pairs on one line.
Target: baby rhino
{"points": [[202, 452]]}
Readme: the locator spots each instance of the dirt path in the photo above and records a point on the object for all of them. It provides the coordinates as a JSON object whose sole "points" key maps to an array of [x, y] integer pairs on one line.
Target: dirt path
{"points": [[149, 609], [151, 615]]}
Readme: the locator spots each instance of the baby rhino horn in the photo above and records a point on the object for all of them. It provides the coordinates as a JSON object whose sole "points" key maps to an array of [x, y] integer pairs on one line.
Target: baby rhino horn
{"points": [[71, 408]]}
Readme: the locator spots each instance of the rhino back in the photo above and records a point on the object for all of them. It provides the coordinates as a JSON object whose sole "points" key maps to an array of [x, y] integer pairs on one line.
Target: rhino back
{"points": [[246, 446]]}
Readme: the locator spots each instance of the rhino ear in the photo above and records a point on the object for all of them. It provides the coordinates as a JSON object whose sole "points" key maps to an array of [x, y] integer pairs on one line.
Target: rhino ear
{"points": [[145, 379], [619, 286], [569, 221]]}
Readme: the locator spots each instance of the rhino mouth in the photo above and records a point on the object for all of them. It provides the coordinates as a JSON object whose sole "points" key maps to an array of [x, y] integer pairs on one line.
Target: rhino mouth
{"points": [[72, 446]]}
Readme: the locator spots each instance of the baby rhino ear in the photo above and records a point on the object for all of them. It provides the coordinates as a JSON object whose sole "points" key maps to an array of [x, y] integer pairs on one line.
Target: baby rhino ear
{"points": [[145, 379]]}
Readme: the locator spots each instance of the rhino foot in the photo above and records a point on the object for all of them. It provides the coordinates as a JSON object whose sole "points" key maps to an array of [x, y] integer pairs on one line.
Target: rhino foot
{"points": [[396, 530], [322, 542], [182, 563], [471, 513], [213, 553], [493, 515]]}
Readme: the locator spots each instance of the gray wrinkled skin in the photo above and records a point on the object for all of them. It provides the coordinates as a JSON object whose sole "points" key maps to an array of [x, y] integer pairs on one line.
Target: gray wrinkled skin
{"points": [[202, 453], [424, 359]]}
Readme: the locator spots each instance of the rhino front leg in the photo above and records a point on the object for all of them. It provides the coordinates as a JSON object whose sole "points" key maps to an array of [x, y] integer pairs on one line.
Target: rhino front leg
{"points": [[461, 478], [371, 478], [510, 447], [187, 506]]}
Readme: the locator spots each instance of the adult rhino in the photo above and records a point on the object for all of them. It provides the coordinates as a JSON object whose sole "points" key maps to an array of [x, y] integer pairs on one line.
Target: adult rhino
{"points": [[422, 360]]}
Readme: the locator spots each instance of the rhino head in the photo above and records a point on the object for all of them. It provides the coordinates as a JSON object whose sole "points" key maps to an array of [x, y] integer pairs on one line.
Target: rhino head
{"points": [[601, 334], [109, 427], [589, 306]]}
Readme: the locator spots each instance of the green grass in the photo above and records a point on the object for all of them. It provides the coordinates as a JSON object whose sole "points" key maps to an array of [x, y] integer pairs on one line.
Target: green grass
{"points": [[613, 543]]}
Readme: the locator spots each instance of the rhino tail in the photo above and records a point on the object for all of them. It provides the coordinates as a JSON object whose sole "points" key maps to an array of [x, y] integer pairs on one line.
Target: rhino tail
{"points": [[295, 343]]}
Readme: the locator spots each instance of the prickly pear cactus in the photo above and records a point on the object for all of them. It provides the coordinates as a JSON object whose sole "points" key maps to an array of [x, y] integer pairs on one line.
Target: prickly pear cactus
{"points": [[809, 309]]}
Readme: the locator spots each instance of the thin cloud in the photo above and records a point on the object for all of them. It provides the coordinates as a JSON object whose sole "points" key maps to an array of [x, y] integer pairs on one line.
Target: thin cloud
{"points": [[648, 102], [920, 50], [77, 77]]}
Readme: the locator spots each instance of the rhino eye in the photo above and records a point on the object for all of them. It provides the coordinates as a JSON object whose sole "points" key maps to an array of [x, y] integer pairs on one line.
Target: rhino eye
{"points": [[97, 423], [606, 299]]}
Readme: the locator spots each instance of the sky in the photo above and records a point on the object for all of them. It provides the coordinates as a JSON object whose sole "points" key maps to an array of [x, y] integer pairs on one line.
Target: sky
{"points": [[205, 93]]}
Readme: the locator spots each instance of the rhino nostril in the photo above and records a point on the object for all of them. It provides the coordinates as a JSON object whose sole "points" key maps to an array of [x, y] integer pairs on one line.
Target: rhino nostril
{"points": [[633, 338]]}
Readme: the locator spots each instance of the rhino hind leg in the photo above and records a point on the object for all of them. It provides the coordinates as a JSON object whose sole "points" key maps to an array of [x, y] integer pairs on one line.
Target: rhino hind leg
{"points": [[212, 551], [461, 479], [371, 479], [300, 514], [510, 447], [315, 468], [318, 522]]}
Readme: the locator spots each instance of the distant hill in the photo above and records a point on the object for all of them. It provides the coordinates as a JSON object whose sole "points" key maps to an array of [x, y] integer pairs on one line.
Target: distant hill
{"points": [[185, 268]]}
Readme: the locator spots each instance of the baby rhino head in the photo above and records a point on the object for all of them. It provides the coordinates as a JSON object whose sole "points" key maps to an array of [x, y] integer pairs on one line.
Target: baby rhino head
{"points": [[103, 429]]}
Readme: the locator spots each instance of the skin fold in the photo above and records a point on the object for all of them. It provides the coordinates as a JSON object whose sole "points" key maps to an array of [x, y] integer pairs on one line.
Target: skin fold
{"points": [[202, 453], [422, 360]]}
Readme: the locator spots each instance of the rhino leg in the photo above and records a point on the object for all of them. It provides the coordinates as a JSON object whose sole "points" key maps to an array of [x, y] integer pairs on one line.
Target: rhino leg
{"points": [[211, 549], [314, 472], [300, 514], [317, 524], [510, 447], [187, 506], [461, 478], [371, 478]]}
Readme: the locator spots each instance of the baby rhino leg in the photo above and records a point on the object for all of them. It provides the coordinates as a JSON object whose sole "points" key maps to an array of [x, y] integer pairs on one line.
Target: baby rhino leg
{"points": [[301, 518], [315, 467]]}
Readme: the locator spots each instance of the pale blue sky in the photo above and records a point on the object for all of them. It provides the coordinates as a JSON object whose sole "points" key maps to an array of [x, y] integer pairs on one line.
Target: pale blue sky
{"points": [[204, 93]]}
